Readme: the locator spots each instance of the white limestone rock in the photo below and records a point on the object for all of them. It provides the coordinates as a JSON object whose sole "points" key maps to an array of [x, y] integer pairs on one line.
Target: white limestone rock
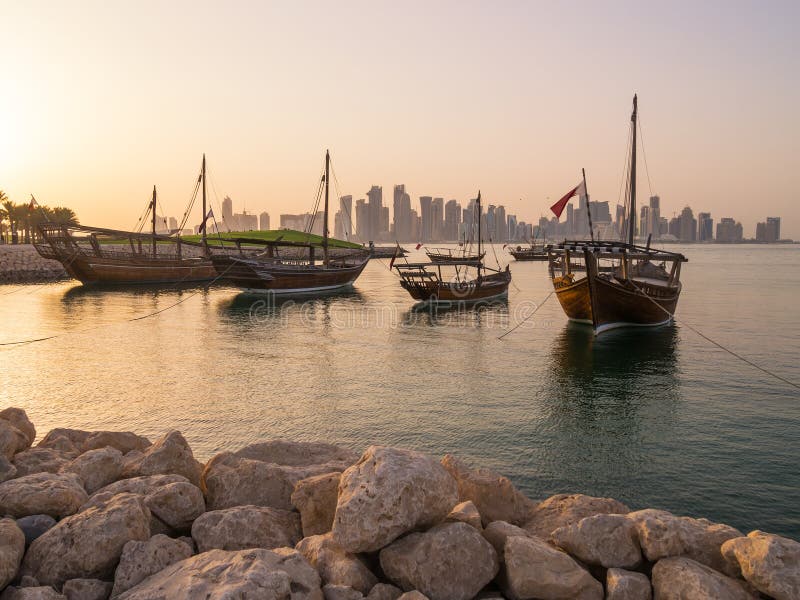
{"points": [[451, 561], [679, 578], [465, 512], [141, 559], [566, 509], [335, 565], [770, 563], [87, 589], [170, 455], [627, 585], [315, 497], [19, 419], [602, 540], [12, 549], [96, 468], [243, 527], [387, 493], [57, 495]]}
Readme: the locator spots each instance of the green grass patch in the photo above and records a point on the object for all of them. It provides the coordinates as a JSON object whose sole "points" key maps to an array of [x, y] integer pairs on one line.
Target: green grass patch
{"points": [[285, 235]]}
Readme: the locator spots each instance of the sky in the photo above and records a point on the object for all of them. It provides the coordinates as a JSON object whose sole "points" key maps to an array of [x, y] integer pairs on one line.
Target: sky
{"points": [[99, 101]]}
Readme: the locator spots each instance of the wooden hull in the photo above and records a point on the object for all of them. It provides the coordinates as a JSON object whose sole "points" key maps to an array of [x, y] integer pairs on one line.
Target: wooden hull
{"points": [[145, 270], [449, 258], [617, 305], [574, 299], [478, 290], [523, 255], [258, 276]]}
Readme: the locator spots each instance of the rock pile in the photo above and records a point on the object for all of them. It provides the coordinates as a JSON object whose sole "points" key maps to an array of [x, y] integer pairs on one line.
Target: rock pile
{"points": [[21, 263], [98, 515]]}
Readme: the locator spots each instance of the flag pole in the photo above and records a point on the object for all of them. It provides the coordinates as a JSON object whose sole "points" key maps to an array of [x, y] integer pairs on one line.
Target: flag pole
{"points": [[588, 205]]}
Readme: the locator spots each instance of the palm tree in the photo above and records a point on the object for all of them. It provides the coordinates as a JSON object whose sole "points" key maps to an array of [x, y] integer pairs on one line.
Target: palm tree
{"points": [[8, 212]]}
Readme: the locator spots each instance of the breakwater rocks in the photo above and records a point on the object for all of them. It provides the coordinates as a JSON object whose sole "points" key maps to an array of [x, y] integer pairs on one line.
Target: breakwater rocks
{"points": [[22, 264], [92, 515]]}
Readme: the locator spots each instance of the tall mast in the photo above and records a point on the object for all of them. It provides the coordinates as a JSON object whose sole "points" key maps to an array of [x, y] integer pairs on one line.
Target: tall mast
{"points": [[325, 224], [153, 207], [479, 232], [204, 200], [632, 216], [588, 205]]}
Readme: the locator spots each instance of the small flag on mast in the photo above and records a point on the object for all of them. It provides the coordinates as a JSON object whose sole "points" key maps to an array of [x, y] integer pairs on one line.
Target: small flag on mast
{"points": [[418, 246], [558, 207], [209, 215]]}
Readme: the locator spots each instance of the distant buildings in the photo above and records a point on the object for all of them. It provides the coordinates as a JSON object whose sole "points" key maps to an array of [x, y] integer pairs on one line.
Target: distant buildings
{"points": [[729, 231], [769, 231], [705, 227], [263, 221]]}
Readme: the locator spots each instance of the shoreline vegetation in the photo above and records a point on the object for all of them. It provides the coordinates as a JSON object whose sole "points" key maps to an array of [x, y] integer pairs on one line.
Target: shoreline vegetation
{"points": [[92, 515]]}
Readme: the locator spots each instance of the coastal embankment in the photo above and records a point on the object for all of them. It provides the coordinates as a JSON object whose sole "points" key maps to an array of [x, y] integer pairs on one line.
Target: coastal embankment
{"points": [[102, 514], [20, 263]]}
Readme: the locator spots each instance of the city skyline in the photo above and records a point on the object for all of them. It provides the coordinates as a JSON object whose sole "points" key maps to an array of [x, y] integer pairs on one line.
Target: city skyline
{"points": [[111, 100]]}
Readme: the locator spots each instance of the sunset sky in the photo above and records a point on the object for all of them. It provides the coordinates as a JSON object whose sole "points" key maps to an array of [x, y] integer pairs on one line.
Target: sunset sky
{"points": [[101, 100]]}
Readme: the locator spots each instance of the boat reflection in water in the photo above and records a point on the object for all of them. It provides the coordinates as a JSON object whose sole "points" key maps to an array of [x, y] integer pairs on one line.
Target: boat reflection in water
{"points": [[610, 400], [247, 309], [491, 312]]}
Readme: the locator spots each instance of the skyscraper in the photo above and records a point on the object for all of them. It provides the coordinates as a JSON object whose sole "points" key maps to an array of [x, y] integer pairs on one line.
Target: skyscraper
{"points": [[437, 219], [375, 212], [705, 227], [402, 214], [773, 229], [427, 218], [729, 231], [263, 219], [452, 219], [362, 220], [654, 217], [688, 226], [500, 225]]}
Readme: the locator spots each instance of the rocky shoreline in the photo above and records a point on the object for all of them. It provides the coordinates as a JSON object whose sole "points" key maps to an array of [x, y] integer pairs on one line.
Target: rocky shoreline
{"points": [[20, 263], [91, 515]]}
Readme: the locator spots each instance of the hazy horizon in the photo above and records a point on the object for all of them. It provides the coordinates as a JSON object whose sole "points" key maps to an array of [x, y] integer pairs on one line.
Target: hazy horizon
{"points": [[103, 100]]}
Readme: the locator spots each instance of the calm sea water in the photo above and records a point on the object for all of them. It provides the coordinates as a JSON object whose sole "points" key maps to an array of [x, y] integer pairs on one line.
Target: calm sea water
{"points": [[658, 419]]}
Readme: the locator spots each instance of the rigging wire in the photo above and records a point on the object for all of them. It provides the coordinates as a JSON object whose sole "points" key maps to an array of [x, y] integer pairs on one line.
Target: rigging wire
{"points": [[518, 325], [644, 154]]}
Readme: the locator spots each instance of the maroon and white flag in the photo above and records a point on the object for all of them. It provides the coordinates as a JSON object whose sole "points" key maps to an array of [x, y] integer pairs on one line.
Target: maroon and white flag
{"points": [[558, 207]]}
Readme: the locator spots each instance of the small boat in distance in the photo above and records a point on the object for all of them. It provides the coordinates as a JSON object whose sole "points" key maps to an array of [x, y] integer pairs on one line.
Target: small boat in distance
{"points": [[291, 267], [624, 284], [95, 255], [452, 281], [533, 252], [448, 255]]}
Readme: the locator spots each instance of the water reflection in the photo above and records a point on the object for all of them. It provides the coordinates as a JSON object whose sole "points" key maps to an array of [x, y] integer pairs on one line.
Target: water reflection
{"points": [[484, 314]]}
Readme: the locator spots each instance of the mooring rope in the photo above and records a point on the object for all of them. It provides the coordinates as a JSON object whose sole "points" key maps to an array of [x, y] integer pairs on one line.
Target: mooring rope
{"points": [[518, 325]]}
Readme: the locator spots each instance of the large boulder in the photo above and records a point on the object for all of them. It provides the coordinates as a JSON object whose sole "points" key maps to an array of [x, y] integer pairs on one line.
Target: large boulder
{"points": [[96, 468], [243, 527], [679, 578], [221, 575], [170, 455], [340, 592], [35, 525], [12, 440], [387, 493], [315, 497], [565, 509], [265, 474], [141, 559], [12, 548], [494, 496], [603, 540], [173, 501], [662, 534], [451, 561], [87, 589], [770, 563], [41, 460], [77, 441], [384, 591], [497, 532], [335, 565], [627, 585], [42, 494], [89, 544], [535, 569], [19, 419], [9, 471]]}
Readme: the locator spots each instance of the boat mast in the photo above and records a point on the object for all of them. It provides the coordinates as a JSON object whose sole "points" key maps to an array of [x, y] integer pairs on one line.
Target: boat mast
{"points": [[325, 223], [153, 206], [632, 216], [204, 200], [479, 233], [588, 205]]}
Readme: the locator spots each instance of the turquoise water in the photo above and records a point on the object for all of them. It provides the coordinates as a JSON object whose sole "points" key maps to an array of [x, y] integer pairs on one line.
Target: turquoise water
{"points": [[656, 419]]}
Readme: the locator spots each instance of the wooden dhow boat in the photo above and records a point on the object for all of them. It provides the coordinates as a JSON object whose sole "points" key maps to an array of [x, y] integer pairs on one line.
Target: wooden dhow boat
{"points": [[95, 255], [466, 281], [621, 284], [290, 267], [533, 252], [449, 255]]}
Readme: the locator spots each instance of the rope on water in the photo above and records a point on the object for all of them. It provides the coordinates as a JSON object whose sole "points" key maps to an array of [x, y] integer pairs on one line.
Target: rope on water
{"points": [[720, 346], [518, 325]]}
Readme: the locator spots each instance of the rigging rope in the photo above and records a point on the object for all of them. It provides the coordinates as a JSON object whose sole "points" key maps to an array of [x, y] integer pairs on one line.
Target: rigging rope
{"points": [[644, 154], [518, 325]]}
